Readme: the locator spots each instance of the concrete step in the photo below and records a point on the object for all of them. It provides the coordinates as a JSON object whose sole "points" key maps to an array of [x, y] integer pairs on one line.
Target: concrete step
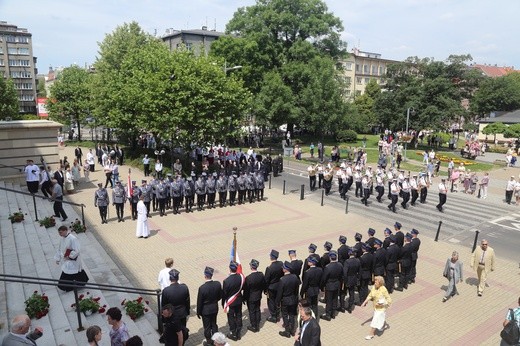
{"points": [[28, 249]]}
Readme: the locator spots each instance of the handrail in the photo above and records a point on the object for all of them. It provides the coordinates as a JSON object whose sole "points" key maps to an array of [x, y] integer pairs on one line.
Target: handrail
{"points": [[12, 167], [34, 196], [75, 285]]}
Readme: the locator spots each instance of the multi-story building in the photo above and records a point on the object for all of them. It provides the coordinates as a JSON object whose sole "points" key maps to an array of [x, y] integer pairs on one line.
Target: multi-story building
{"points": [[361, 67], [195, 40], [18, 63], [493, 70]]}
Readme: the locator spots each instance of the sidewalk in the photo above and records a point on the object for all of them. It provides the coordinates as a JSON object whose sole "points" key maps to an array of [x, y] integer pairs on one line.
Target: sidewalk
{"points": [[281, 222]]}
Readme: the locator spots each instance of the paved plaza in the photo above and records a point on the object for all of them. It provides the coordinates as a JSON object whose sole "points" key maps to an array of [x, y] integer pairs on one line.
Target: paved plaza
{"points": [[284, 222]]}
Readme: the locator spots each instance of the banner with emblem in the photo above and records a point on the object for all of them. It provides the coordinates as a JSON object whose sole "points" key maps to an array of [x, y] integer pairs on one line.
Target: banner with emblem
{"points": [[234, 257]]}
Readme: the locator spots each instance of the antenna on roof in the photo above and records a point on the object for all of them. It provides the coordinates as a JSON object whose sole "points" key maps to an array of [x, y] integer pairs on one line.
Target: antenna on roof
{"points": [[215, 27]]}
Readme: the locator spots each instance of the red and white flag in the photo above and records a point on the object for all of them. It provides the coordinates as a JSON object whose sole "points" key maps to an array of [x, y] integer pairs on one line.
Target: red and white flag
{"points": [[234, 257], [129, 186]]}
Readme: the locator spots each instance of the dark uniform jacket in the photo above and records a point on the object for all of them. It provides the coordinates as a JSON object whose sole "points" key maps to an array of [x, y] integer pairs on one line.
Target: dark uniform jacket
{"points": [[324, 260], [357, 248], [177, 295], [342, 253], [399, 238], [386, 242], [416, 243], [306, 265], [297, 267], [370, 242], [273, 273], [311, 282], [231, 285], [208, 297], [351, 271], [405, 255], [254, 286], [392, 255], [379, 262], [367, 264], [288, 290], [332, 277]]}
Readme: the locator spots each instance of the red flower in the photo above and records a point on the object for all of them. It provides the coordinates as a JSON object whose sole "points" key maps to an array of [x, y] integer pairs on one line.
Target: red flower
{"points": [[81, 296], [96, 299], [35, 292], [101, 310], [140, 299], [73, 305], [44, 297], [147, 302], [145, 310], [105, 306]]}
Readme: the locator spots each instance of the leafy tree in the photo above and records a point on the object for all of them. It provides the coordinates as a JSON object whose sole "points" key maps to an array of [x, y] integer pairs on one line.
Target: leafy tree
{"points": [[69, 100], [494, 129], [512, 131], [288, 49], [9, 105], [41, 91], [497, 94], [365, 106]]}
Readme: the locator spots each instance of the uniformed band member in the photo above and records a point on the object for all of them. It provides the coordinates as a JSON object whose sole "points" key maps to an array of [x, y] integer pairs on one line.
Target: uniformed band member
{"points": [[380, 187], [208, 298], [443, 190], [135, 192], [311, 170], [178, 295], [102, 201], [394, 194], [406, 189], [366, 184], [232, 298], [253, 289], [327, 180], [119, 200], [423, 187], [287, 298], [273, 273], [330, 284], [415, 187]]}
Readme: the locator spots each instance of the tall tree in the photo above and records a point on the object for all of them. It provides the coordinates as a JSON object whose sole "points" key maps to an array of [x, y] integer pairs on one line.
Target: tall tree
{"points": [[288, 49], [9, 106], [494, 129], [69, 101], [497, 94]]}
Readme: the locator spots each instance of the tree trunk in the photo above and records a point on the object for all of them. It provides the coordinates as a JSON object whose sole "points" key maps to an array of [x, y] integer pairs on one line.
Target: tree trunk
{"points": [[79, 130]]}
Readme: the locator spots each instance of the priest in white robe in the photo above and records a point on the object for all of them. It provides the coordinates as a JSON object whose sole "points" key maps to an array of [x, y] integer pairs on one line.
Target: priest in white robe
{"points": [[142, 230]]}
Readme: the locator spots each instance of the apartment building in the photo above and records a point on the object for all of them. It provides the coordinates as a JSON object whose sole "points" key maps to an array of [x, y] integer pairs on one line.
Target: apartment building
{"points": [[360, 67], [198, 40], [18, 63]]}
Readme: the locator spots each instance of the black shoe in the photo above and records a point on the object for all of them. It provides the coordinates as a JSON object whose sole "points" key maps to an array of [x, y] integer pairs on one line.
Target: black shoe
{"points": [[285, 334], [232, 337], [342, 310], [350, 309], [65, 219], [400, 289], [272, 319], [122, 220], [325, 317], [207, 343], [253, 329], [119, 220]]}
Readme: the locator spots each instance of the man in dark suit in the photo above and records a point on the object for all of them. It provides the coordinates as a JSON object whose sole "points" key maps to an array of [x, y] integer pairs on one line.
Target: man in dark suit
{"points": [[59, 175], [253, 288], [405, 261], [386, 241], [350, 279], [365, 272], [324, 260], [331, 283], [296, 264], [208, 297], [287, 298], [312, 253], [357, 247], [379, 265], [310, 331], [342, 249], [273, 273], [392, 255], [232, 301], [178, 295], [78, 153], [371, 239], [416, 243], [311, 284], [399, 235], [19, 335]]}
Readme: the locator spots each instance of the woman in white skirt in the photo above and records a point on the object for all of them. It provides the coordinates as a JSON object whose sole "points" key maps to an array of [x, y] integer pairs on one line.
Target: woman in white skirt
{"points": [[142, 230], [381, 300]]}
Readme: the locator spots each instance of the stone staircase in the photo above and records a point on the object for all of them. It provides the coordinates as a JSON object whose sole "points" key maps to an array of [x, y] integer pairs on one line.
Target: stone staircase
{"points": [[28, 249]]}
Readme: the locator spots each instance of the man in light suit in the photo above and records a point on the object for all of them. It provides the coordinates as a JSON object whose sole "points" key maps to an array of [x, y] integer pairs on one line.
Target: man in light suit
{"points": [[483, 261], [310, 331], [452, 272], [18, 336]]}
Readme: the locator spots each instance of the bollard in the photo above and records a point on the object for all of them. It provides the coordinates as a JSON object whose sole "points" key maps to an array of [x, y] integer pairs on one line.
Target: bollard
{"points": [[78, 311], [322, 194], [476, 239], [35, 210], [83, 214], [269, 181], [452, 185], [438, 231], [302, 192], [284, 187], [346, 205]]}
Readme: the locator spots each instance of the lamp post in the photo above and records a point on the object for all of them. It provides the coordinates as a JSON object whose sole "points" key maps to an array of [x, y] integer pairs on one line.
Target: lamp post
{"points": [[227, 69], [408, 111]]}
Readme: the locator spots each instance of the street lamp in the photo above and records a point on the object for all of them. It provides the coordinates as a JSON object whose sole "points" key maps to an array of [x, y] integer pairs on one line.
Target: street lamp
{"points": [[408, 111], [227, 69]]}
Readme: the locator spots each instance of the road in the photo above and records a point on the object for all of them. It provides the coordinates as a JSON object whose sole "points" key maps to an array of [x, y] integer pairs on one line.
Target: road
{"points": [[463, 214]]}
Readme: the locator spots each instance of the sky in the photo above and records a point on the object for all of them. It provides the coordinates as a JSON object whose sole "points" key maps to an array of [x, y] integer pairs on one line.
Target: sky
{"points": [[67, 32]]}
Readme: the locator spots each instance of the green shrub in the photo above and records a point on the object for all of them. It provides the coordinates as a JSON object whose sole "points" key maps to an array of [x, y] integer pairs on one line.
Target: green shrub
{"points": [[346, 136]]}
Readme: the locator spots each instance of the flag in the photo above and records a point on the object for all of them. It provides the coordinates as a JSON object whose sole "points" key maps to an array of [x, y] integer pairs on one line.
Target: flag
{"points": [[234, 257], [129, 186]]}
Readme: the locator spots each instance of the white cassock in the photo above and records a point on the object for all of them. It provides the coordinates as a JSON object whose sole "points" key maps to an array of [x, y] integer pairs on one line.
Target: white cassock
{"points": [[142, 221]]}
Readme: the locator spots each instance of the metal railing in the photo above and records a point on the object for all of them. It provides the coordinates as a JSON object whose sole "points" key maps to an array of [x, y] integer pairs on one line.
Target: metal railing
{"points": [[77, 285], [34, 196], [12, 167]]}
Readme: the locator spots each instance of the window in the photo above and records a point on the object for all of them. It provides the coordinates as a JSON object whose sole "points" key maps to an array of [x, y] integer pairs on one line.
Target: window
{"points": [[347, 92], [24, 86], [25, 97], [374, 69], [23, 39], [367, 80], [358, 92], [20, 74], [357, 68], [10, 38], [348, 66], [1, 62], [366, 69], [381, 70], [24, 63], [348, 80], [17, 51], [358, 80]]}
